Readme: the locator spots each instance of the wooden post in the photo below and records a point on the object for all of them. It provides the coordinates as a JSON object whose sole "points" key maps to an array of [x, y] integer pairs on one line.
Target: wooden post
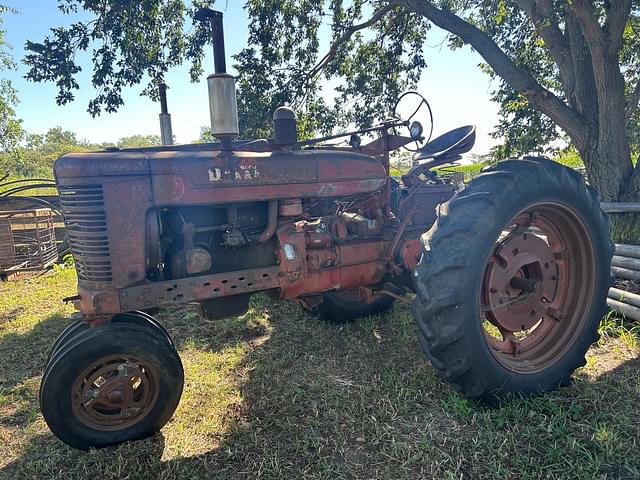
{"points": [[625, 262], [625, 273], [627, 310], [624, 297]]}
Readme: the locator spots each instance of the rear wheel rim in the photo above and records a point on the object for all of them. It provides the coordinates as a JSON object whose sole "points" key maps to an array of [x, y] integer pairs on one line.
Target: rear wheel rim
{"points": [[537, 287], [115, 393]]}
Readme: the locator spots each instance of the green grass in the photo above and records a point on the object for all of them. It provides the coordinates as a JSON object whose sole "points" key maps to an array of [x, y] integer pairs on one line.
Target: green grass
{"points": [[469, 170], [568, 157], [279, 394], [31, 192]]}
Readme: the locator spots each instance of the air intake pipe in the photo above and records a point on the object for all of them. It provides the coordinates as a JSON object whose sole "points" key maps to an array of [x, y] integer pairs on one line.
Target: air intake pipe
{"points": [[222, 86], [166, 132]]}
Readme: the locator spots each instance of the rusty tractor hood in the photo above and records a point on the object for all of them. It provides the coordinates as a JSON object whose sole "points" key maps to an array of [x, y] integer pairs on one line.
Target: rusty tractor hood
{"points": [[177, 174]]}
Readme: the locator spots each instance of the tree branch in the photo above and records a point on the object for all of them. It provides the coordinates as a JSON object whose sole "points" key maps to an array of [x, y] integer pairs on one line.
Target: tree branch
{"points": [[585, 96], [586, 15], [541, 14], [333, 50], [568, 119], [632, 104], [615, 23]]}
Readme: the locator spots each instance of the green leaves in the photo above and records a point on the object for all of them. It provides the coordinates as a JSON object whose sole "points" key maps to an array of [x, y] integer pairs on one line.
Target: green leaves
{"points": [[133, 42], [130, 41], [364, 67], [10, 127], [336, 62], [34, 157]]}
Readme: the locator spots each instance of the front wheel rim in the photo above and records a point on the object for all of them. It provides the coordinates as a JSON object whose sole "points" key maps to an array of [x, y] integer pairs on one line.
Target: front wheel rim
{"points": [[115, 393], [537, 287]]}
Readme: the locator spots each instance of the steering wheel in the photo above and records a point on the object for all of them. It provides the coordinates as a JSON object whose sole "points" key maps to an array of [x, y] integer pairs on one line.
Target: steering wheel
{"points": [[413, 107]]}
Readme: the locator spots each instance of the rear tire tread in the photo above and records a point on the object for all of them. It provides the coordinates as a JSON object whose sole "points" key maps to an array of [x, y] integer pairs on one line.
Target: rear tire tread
{"points": [[447, 348]]}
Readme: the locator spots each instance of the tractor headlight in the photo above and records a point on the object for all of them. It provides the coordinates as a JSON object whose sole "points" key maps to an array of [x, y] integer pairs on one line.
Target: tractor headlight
{"points": [[415, 130]]}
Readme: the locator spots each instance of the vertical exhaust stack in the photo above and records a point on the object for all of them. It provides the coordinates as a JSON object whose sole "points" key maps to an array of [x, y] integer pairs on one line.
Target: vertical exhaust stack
{"points": [[166, 132], [222, 86]]}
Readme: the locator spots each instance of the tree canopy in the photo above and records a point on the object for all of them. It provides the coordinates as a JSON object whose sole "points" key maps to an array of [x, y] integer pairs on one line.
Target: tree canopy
{"points": [[34, 157], [10, 126], [564, 67], [131, 42]]}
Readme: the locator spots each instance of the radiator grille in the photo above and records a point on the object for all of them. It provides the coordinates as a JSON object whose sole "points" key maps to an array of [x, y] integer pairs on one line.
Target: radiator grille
{"points": [[86, 225]]}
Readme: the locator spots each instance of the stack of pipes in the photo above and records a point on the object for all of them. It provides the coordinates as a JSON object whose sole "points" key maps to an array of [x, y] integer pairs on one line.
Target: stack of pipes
{"points": [[625, 265]]}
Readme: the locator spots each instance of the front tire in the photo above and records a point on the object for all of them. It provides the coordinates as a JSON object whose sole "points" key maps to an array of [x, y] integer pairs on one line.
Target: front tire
{"points": [[111, 384], [79, 326], [513, 280]]}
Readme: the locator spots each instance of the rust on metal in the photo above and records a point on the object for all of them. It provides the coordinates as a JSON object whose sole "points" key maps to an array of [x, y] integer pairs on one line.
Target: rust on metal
{"points": [[114, 393], [197, 288], [153, 227], [526, 292]]}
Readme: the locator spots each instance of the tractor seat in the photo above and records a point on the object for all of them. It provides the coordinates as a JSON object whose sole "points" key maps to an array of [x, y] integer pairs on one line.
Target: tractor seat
{"points": [[450, 144]]}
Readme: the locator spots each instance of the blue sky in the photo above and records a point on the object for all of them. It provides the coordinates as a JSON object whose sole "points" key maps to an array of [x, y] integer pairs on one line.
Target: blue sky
{"points": [[457, 90]]}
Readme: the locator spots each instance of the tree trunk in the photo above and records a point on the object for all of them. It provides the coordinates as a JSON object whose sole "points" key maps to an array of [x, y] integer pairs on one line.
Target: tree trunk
{"points": [[593, 115], [608, 159], [609, 180], [625, 227]]}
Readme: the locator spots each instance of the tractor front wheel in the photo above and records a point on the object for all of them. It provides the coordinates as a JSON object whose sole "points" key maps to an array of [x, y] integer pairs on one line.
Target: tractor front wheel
{"points": [[513, 280], [110, 384], [79, 326]]}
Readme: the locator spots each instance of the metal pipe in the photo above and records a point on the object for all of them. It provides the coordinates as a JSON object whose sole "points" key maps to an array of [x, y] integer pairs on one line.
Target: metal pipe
{"points": [[222, 88], [624, 262], [166, 130], [624, 297], [627, 310], [628, 250], [400, 298], [625, 273], [23, 188], [214, 18], [272, 223], [400, 232], [25, 180], [163, 98], [217, 33], [620, 207], [36, 200]]}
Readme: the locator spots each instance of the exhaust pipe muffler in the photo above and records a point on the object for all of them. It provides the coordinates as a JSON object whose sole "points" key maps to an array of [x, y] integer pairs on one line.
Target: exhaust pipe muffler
{"points": [[223, 105]]}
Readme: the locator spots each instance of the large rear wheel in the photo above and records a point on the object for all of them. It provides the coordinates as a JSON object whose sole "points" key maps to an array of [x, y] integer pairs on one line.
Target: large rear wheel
{"points": [[513, 280]]}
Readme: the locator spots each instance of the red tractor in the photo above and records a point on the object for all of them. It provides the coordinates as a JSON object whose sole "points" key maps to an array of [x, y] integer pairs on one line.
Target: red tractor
{"points": [[510, 279]]}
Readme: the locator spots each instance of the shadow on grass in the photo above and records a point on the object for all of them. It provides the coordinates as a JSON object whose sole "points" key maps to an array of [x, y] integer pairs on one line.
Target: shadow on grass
{"points": [[23, 355], [357, 401]]}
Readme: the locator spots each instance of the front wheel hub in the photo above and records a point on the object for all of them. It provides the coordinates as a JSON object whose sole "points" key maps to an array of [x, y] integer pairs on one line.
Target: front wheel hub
{"points": [[115, 393]]}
